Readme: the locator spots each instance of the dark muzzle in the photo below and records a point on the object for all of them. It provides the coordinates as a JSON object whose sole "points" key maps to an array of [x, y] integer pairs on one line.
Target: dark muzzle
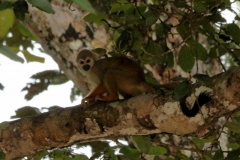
{"points": [[86, 67]]}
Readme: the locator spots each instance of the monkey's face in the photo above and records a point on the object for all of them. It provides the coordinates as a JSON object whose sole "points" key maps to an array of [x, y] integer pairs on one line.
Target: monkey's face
{"points": [[86, 64]]}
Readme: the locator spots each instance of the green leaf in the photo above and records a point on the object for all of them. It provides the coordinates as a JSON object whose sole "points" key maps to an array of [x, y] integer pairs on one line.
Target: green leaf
{"points": [[213, 52], [199, 6], [34, 89], [108, 151], [133, 153], [234, 127], [160, 30], [124, 38], [133, 19], [234, 31], [26, 112], [5, 5], [200, 51], [170, 59], [41, 155], [96, 18], [208, 27], [183, 30], [86, 5], [32, 58], [233, 145], [221, 51], [218, 155], [227, 2], [143, 143], [182, 89], [233, 155], [20, 9], [198, 142], [10, 54], [116, 7], [150, 17], [80, 157], [26, 32], [2, 155], [154, 48], [217, 51], [100, 51], [186, 59], [43, 5], [141, 9], [182, 156], [156, 2], [6, 21], [137, 45], [207, 157], [217, 17], [202, 77], [157, 151]]}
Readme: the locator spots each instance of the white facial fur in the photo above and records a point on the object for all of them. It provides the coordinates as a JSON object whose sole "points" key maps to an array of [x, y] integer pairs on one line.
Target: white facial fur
{"points": [[85, 65]]}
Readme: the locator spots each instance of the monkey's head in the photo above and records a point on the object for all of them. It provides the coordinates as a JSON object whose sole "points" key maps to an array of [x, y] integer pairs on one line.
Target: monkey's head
{"points": [[86, 60]]}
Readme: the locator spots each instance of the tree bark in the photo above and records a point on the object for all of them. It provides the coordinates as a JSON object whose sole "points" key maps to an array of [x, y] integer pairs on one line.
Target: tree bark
{"points": [[141, 115], [63, 34]]}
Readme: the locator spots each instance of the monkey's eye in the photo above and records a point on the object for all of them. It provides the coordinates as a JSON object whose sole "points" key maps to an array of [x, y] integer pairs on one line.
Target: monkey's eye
{"points": [[81, 62], [88, 61]]}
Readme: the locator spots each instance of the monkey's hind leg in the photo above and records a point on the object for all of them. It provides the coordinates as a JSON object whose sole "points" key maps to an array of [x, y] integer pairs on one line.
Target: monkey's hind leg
{"points": [[110, 83], [112, 95]]}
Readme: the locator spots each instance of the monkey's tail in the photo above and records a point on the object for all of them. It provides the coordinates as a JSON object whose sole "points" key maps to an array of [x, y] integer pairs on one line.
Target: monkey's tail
{"points": [[202, 99]]}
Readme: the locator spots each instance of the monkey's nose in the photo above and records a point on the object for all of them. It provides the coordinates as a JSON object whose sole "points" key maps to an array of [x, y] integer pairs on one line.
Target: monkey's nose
{"points": [[86, 67]]}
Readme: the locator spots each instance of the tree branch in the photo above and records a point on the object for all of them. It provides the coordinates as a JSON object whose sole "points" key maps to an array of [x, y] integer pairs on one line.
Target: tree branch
{"points": [[141, 115]]}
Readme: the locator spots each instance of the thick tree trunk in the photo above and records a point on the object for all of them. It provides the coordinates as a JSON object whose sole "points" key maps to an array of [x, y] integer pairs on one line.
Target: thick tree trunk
{"points": [[63, 34], [141, 115]]}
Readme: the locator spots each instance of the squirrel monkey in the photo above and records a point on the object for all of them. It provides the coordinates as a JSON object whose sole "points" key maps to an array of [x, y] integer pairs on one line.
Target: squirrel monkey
{"points": [[113, 76], [120, 75]]}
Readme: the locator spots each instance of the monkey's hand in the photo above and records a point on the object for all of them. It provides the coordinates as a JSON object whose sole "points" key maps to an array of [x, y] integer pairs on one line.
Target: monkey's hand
{"points": [[86, 100]]}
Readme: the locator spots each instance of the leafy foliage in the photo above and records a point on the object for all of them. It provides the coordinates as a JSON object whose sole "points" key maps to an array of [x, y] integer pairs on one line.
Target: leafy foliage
{"points": [[43, 5], [43, 80], [142, 28], [26, 112], [6, 21], [5, 50], [144, 32], [13, 35]]}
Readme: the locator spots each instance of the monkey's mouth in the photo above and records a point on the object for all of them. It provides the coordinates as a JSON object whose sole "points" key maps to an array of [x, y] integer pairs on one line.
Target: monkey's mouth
{"points": [[86, 67]]}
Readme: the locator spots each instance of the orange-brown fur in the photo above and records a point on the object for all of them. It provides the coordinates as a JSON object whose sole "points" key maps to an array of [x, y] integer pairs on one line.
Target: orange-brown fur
{"points": [[111, 76]]}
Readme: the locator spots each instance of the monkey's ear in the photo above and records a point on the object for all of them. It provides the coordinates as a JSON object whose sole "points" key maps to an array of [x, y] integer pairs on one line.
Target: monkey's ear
{"points": [[95, 56], [101, 52]]}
